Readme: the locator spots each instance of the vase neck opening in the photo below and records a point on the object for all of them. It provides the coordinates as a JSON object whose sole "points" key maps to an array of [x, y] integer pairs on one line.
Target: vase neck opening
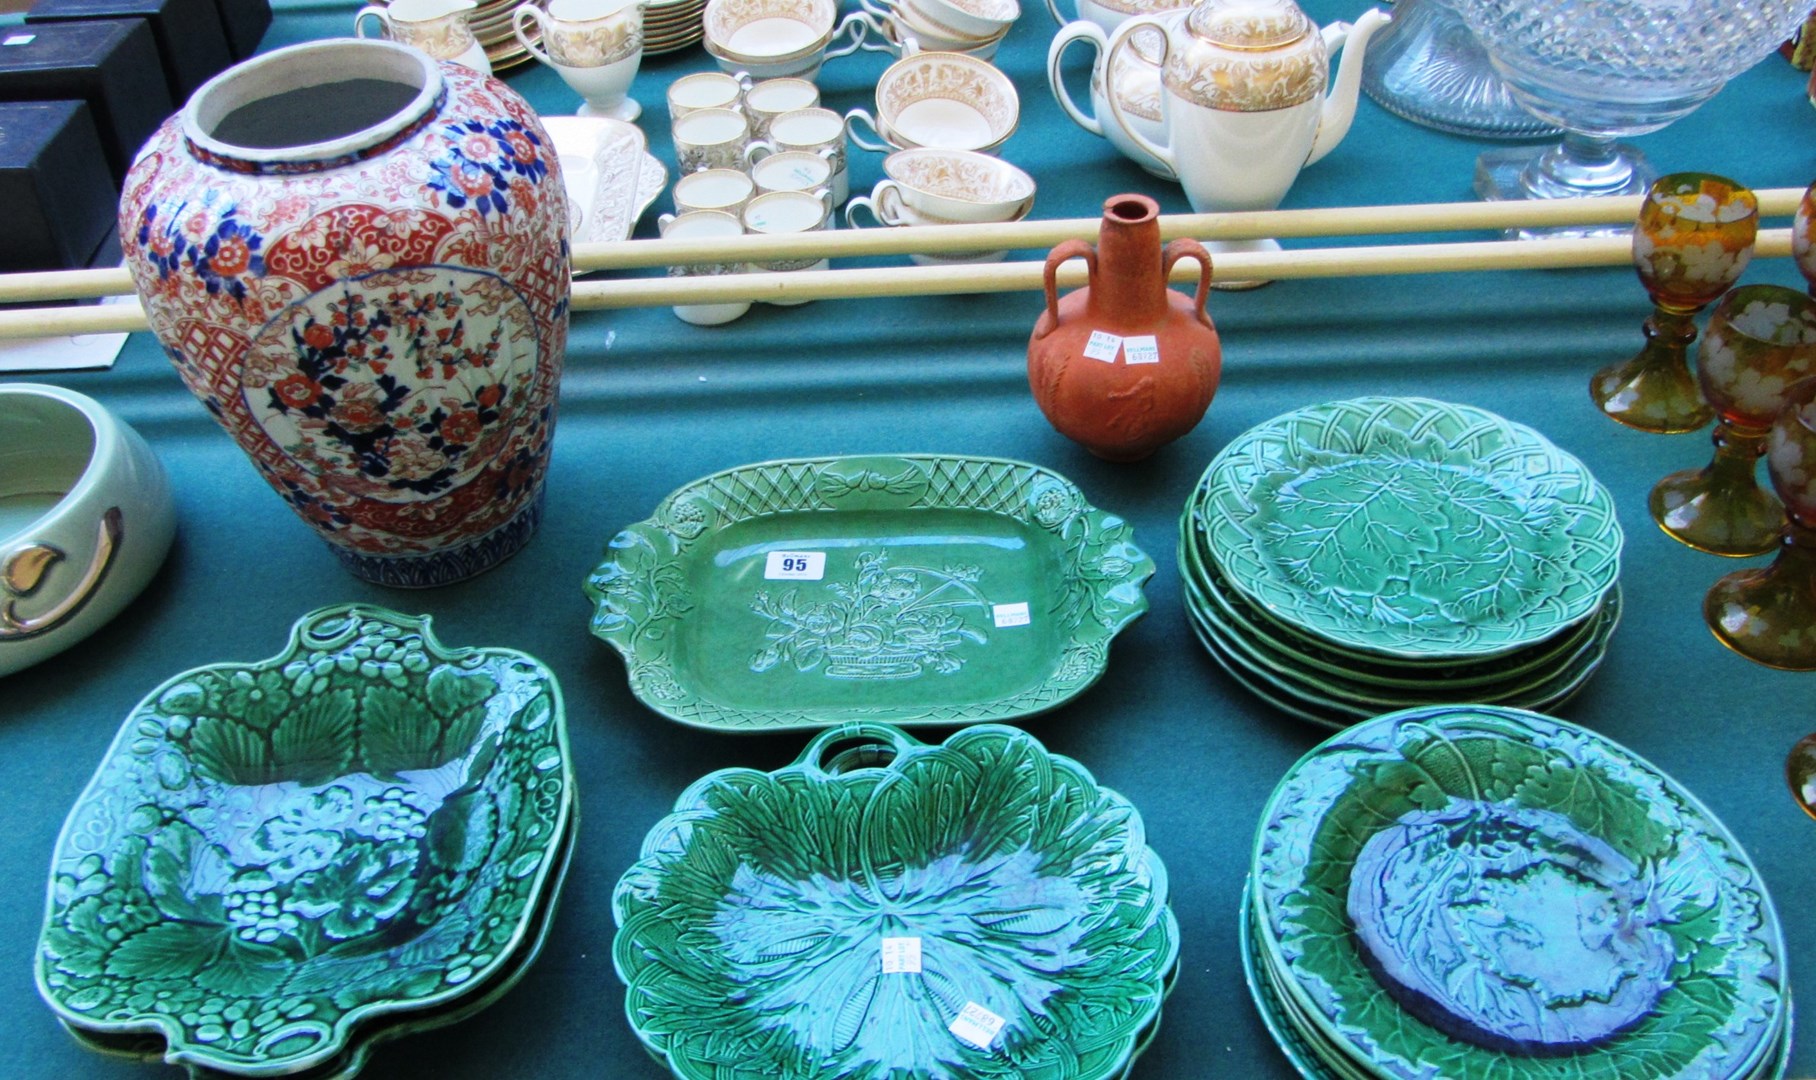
{"points": [[313, 106], [1128, 280]]}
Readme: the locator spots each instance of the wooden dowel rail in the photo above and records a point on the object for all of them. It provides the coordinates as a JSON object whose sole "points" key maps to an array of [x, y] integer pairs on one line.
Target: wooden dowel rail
{"points": [[48, 286], [989, 277]]}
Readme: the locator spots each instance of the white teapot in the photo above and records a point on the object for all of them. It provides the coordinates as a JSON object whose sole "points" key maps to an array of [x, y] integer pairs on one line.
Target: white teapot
{"points": [[1243, 99]]}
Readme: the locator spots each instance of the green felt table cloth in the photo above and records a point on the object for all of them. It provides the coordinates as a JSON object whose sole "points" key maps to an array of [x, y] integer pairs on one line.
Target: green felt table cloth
{"points": [[649, 403]]}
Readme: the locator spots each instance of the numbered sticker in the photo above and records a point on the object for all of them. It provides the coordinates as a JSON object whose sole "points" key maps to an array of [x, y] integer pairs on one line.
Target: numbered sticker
{"points": [[976, 1025], [1103, 346], [795, 566], [1011, 614], [1141, 350], [901, 955]]}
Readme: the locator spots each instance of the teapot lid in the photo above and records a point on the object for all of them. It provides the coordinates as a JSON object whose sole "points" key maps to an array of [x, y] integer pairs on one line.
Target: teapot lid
{"points": [[1249, 24]]}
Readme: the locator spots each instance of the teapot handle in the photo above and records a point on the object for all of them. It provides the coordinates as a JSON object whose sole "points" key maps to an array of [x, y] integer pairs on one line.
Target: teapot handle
{"points": [[1069, 249], [1120, 41], [1190, 249]]}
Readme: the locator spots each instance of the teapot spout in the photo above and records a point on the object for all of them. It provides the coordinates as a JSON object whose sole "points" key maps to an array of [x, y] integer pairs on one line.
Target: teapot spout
{"points": [[1340, 102]]}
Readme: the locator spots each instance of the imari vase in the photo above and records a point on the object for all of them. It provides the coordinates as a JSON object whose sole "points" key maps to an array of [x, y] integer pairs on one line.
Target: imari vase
{"points": [[356, 258]]}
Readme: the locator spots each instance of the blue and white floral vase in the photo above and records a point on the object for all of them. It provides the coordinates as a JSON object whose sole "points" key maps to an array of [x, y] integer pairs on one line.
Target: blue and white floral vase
{"points": [[356, 257]]}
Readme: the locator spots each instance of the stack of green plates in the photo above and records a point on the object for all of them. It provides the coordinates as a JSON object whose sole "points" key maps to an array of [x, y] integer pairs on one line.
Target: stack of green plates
{"points": [[1360, 556], [1465, 891]]}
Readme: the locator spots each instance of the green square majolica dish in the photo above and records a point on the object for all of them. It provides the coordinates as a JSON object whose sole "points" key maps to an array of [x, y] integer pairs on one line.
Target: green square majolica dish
{"points": [[1470, 891], [1410, 528], [885, 909], [918, 589], [276, 860]]}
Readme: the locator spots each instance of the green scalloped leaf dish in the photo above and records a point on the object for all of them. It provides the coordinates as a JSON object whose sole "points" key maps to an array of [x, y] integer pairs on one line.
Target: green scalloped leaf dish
{"points": [[1472, 891], [278, 863], [1411, 528], [910, 590], [761, 933]]}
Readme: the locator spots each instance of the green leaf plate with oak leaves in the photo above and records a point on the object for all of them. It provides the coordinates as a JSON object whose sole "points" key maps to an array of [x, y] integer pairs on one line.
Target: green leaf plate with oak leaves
{"points": [[914, 589], [1463, 891], [278, 860], [1411, 528], [887, 909]]}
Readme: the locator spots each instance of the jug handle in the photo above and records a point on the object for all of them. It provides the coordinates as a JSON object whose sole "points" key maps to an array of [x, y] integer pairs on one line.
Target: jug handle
{"points": [[1184, 248], [530, 11], [1071, 32], [1070, 249]]}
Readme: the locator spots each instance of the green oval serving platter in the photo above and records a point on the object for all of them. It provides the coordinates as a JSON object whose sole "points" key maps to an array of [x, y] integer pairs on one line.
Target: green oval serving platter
{"points": [[279, 863], [916, 589], [1697, 921], [1410, 528], [756, 931]]}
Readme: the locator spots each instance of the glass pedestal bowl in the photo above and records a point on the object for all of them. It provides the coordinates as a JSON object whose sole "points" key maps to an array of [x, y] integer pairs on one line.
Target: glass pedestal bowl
{"points": [[1610, 70]]}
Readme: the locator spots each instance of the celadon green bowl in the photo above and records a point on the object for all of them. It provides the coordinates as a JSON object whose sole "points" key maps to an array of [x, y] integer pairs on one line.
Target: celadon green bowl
{"points": [[277, 859]]}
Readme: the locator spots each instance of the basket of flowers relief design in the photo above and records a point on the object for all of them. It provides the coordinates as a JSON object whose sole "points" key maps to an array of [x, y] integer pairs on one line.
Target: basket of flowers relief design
{"points": [[886, 909], [919, 589]]}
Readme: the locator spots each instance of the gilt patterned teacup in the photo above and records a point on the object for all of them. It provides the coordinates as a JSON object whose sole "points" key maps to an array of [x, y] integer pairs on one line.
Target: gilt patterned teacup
{"points": [[437, 27]]}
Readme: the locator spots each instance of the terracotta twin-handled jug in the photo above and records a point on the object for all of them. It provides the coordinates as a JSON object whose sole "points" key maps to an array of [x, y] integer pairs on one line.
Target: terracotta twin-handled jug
{"points": [[1125, 365]]}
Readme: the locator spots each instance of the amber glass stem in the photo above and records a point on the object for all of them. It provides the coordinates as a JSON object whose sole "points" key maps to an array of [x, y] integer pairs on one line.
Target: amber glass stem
{"points": [[1769, 616], [1654, 390]]}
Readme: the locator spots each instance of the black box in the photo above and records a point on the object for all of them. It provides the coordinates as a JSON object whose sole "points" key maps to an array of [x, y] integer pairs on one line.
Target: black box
{"points": [[110, 63], [57, 198], [245, 22], [191, 41]]}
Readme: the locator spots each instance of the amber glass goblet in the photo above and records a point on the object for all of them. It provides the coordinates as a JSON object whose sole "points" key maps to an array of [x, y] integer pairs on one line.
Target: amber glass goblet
{"points": [[1803, 236], [1769, 615], [1693, 237], [1761, 339]]}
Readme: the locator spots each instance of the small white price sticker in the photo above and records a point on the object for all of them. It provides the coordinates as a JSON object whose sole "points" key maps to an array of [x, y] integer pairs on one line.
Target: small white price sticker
{"points": [[976, 1025], [1141, 350], [901, 955], [795, 566], [19, 39], [1103, 346], [1011, 614]]}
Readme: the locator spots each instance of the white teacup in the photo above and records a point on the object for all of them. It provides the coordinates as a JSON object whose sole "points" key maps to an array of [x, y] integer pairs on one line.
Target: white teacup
{"points": [[813, 131], [887, 205], [1109, 14], [957, 21], [793, 170], [705, 90], [770, 98], [711, 139], [437, 27], [941, 99], [785, 212], [596, 46], [777, 38], [896, 35], [725, 190], [705, 225], [958, 185]]}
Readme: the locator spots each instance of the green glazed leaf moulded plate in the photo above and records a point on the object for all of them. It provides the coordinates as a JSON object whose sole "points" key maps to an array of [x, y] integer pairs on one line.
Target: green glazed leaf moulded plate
{"points": [[1463, 891], [278, 861], [886, 909], [1410, 528], [917, 589]]}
